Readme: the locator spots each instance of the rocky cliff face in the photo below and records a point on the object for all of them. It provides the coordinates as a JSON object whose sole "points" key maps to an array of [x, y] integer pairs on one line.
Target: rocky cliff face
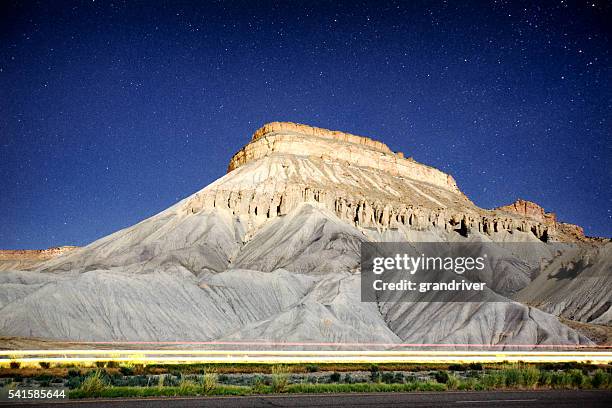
{"points": [[362, 181], [531, 210], [295, 139], [34, 254], [16, 259]]}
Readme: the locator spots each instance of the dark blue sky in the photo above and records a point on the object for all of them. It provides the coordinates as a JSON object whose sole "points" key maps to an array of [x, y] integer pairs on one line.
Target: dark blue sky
{"points": [[112, 111]]}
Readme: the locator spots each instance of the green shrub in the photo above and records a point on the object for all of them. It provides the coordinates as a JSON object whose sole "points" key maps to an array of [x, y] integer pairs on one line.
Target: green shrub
{"points": [[398, 378], [43, 377], [74, 382], [473, 374], [514, 377], [600, 379], [578, 379], [312, 368], [259, 386], [387, 377], [545, 379], [475, 366], [469, 384], [73, 373], [210, 380], [126, 369], [280, 378], [452, 382], [187, 387], [15, 365], [455, 367], [530, 376], [374, 373], [441, 377], [494, 380], [44, 364], [137, 381], [561, 380], [334, 377], [160, 381], [94, 384], [348, 379]]}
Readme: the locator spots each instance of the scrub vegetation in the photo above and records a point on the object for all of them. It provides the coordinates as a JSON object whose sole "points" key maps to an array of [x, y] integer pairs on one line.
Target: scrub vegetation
{"points": [[138, 380]]}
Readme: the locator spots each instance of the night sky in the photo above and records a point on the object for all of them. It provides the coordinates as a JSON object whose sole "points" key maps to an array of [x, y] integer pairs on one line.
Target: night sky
{"points": [[112, 111]]}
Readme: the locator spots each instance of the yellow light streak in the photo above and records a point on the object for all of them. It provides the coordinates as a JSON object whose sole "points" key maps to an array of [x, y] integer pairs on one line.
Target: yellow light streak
{"points": [[297, 356], [294, 352]]}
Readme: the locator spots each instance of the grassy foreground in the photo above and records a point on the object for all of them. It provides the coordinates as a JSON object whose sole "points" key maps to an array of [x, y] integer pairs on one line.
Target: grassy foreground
{"points": [[117, 392], [113, 379], [513, 377]]}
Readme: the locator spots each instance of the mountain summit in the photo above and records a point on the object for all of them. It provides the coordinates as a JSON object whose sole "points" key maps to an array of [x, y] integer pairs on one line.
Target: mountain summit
{"points": [[271, 252], [360, 180]]}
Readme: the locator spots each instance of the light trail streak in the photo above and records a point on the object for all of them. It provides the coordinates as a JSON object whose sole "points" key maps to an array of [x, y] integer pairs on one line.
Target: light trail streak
{"points": [[295, 352], [341, 344], [298, 356]]}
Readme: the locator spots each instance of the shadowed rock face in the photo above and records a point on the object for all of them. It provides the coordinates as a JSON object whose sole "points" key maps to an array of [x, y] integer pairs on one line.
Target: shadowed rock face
{"points": [[270, 251], [575, 285]]}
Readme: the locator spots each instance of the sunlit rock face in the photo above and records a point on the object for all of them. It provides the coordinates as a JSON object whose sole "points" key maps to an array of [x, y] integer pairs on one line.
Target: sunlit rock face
{"points": [[361, 180], [19, 259], [302, 140], [271, 252]]}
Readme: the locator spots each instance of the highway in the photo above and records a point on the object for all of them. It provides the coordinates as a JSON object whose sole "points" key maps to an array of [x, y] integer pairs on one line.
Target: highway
{"points": [[506, 399]]}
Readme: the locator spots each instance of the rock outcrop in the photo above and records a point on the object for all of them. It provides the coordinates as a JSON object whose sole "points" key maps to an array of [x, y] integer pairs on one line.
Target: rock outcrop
{"points": [[34, 254], [27, 258], [303, 140], [529, 209], [362, 181]]}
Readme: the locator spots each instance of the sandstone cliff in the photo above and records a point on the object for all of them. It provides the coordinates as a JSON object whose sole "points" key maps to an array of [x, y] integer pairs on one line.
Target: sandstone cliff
{"points": [[530, 209], [362, 181], [303, 140], [24, 258], [34, 254]]}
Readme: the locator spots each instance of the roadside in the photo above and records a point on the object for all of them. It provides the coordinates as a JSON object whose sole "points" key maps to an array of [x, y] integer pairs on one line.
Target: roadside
{"points": [[113, 380], [503, 399]]}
